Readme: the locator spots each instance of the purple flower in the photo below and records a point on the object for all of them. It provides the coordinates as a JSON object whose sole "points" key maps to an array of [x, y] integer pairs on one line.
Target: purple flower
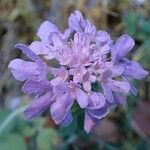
{"points": [[33, 72], [61, 75], [85, 57], [121, 48], [65, 95], [131, 68], [96, 110], [113, 87], [76, 21], [78, 72]]}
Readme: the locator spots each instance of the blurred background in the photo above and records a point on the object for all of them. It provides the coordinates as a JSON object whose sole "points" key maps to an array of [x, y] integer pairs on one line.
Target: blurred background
{"points": [[126, 128]]}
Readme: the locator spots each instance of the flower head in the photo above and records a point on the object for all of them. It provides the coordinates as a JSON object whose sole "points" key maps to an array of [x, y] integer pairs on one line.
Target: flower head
{"points": [[86, 56]]}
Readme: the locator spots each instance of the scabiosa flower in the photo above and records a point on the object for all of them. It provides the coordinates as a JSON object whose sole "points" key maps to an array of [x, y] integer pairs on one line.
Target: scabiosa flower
{"points": [[86, 56]]}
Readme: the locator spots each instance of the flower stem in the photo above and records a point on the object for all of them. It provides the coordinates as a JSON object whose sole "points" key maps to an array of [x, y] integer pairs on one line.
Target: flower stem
{"points": [[10, 117]]}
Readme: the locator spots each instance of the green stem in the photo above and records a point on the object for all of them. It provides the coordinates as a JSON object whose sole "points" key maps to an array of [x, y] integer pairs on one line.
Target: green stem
{"points": [[10, 117]]}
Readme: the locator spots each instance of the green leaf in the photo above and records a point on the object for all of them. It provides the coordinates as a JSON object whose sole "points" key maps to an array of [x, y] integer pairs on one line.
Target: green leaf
{"points": [[28, 131], [3, 115], [69, 130], [96, 87], [145, 26], [13, 142], [130, 21], [146, 54], [47, 139]]}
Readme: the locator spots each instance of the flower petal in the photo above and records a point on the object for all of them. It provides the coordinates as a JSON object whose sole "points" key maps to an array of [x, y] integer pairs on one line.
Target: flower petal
{"points": [[23, 70], [32, 86], [60, 108], [61, 89], [39, 48], [96, 101], [30, 54], [103, 36], [38, 105], [134, 69], [87, 86], [98, 113], [123, 46], [120, 98], [67, 120], [76, 21], [82, 98], [89, 123], [108, 93], [119, 86], [45, 30]]}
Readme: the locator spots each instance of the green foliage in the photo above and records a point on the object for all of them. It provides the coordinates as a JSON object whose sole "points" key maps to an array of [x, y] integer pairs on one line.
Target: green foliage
{"points": [[3, 114], [47, 139], [13, 142]]}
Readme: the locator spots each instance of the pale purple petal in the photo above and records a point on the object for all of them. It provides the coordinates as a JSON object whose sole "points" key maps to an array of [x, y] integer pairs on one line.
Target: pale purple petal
{"points": [[87, 86], [116, 70], [108, 93], [57, 40], [103, 36], [82, 98], [98, 113], [39, 48], [23, 70], [119, 86], [61, 89], [89, 123], [32, 86], [96, 101], [60, 108], [67, 120], [67, 33], [45, 30], [123, 46], [134, 69], [30, 54], [38, 105], [56, 81], [120, 98], [90, 28], [76, 21]]}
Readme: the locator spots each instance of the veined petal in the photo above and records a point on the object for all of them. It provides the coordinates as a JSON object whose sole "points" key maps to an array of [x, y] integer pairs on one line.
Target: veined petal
{"points": [[90, 28], [116, 70], [76, 21], [33, 86], [38, 105], [87, 86], [123, 46], [89, 123], [82, 98], [45, 30], [119, 86], [61, 89], [120, 98], [60, 108], [56, 81], [134, 69], [39, 48], [23, 70], [98, 113], [67, 120], [108, 93], [57, 40], [96, 101], [103, 36], [30, 54]]}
